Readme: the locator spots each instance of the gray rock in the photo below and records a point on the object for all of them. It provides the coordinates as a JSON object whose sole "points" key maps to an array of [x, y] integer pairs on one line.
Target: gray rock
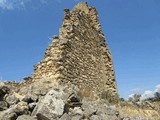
{"points": [[8, 116], [95, 117], [32, 106], [98, 110], [3, 105], [27, 99], [32, 92], [51, 106], [76, 114], [126, 118], [89, 107], [25, 117], [65, 117], [3, 90], [77, 117], [11, 100], [21, 108], [11, 113], [74, 98], [106, 112], [111, 111]]}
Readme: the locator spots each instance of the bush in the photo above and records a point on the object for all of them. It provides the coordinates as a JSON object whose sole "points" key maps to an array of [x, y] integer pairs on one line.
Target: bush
{"points": [[107, 95], [157, 96], [135, 98]]}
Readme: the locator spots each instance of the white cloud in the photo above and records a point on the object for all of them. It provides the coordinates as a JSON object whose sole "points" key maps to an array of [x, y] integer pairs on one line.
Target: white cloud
{"points": [[157, 88], [136, 90], [130, 96], [147, 94], [21, 4], [5, 4], [12, 4]]}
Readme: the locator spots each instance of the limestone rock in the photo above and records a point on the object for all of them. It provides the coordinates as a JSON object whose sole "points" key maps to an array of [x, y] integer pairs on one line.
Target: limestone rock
{"points": [[3, 90], [51, 107], [28, 99], [65, 117], [8, 116], [25, 117], [15, 110], [77, 114], [95, 117], [12, 99], [3, 105], [20, 108], [32, 106], [89, 107]]}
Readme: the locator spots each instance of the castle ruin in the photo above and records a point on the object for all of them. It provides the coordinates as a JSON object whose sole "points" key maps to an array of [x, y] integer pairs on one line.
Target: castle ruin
{"points": [[79, 55]]}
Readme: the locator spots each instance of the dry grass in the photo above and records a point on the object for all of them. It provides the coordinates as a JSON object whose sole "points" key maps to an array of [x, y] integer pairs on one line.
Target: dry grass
{"points": [[109, 97], [86, 91], [132, 109]]}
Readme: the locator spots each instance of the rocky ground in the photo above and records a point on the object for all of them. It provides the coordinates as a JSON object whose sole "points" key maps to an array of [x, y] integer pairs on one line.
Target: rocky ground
{"points": [[34, 102]]}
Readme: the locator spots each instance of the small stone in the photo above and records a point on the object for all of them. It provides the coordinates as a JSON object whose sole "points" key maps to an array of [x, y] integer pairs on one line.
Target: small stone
{"points": [[12, 100], [27, 99], [66, 11], [10, 116], [3, 90], [32, 106], [3, 105]]}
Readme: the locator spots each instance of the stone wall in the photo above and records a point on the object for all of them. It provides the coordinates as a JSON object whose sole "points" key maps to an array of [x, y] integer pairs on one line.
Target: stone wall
{"points": [[80, 54]]}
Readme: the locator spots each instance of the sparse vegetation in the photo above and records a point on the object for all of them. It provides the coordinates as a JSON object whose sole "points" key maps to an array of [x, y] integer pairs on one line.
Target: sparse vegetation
{"points": [[109, 97], [135, 98]]}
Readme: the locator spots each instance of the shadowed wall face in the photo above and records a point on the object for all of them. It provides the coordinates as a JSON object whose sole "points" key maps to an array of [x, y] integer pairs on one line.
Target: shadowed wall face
{"points": [[79, 55]]}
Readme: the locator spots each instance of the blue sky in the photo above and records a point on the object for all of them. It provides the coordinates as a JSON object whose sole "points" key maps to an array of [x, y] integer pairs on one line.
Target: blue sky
{"points": [[131, 27]]}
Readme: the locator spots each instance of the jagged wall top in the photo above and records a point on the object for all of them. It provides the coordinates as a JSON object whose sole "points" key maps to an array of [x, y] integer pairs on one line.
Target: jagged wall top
{"points": [[90, 11], [83, 6], [80, 54]]}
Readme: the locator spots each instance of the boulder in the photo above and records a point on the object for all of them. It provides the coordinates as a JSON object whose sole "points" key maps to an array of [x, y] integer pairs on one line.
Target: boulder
{"points": [[25, 117], [11, 100], [89, 107], [3, 90], [15, 110], [8, 116], [77, 114], [21, 108], [106, 112], [51, 106], [3, 105], [27, 99], [65, 117]]}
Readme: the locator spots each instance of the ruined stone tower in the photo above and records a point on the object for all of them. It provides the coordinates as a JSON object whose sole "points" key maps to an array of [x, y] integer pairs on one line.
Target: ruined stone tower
{"points": [[80, 54]]}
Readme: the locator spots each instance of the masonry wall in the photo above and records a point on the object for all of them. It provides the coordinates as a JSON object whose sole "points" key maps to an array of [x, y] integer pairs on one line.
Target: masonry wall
{"points": [[80, 54]]}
